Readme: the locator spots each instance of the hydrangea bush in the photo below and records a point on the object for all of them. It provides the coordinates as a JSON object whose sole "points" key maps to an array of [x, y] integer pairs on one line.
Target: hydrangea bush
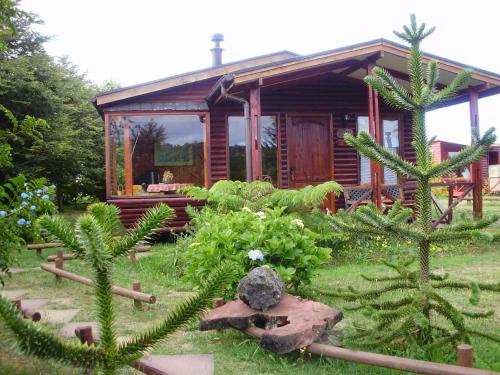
{"points": [[251, 239], [21, 203]]}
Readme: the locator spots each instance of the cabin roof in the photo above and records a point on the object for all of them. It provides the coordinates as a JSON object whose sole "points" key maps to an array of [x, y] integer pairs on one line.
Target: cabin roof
{"points": [[448, 144], [269, 68]]}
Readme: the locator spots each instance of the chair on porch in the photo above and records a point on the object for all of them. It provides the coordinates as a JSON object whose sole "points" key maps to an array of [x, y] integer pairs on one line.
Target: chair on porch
{"points": [[355, 196]]}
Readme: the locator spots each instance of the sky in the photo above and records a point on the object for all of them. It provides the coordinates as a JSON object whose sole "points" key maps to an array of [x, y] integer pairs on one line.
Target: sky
{"points": [[131, 41]]}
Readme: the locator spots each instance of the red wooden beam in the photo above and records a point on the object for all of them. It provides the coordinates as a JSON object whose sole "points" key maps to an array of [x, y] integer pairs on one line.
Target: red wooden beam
{"points": [[476, 173], [374, 127], [255, 125]]}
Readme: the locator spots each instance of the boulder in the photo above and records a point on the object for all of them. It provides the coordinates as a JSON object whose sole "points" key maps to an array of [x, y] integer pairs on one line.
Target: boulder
{"points": [[261, 288]]}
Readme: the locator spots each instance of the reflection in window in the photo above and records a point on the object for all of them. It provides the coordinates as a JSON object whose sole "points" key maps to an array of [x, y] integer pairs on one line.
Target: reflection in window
{"points": [[364, 162], [143, 148], [390, 134], [269, 149], [237, 164]]}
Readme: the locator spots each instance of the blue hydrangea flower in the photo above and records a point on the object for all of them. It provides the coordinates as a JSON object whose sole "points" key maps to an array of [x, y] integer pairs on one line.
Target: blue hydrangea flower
{"points": [[32, 207], [45, 189], [38, 191], [45, 196], [28, 222], [24, 203], [24, 195], [21, 221], [3, 213]]}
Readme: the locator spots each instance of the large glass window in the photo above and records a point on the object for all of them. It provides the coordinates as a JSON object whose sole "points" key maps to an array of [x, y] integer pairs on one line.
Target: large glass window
{"points": [[237, 156], [155, 153], [237, 159], [390, 134], [364, 162], [269, 143]]}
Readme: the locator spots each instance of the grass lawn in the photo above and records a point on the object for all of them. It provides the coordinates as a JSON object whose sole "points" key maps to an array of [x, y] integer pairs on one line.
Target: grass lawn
{"points": [[236, 353]]}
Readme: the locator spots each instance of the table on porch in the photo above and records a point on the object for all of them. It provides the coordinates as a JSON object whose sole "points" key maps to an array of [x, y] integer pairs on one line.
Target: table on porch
{"points": [[165, 188]]}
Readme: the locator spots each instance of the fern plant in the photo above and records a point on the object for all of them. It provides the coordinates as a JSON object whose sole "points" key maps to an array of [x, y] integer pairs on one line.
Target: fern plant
{"points": [[416, 315], [94, 239], [228, 195]]}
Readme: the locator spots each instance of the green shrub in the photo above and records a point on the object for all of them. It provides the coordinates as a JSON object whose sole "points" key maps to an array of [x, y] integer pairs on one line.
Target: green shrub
{"points": [[21, 203], [282, 240]]}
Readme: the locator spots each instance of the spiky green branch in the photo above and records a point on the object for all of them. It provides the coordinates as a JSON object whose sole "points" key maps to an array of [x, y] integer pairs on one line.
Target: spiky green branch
{"points": [[94, 239], [423, 286]]}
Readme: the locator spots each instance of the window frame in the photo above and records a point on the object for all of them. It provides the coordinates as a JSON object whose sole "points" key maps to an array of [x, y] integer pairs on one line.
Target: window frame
{"points": [[204, 120]]}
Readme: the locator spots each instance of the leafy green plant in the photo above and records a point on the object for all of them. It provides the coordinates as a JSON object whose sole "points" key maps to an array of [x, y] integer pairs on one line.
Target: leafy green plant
{"points": [[21, 203], [93, 239], [415, 316], [227, 195], [250, 239]]}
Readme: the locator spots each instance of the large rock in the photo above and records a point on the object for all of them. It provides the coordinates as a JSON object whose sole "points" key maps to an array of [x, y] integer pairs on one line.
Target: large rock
{"points": [[261, 288]]}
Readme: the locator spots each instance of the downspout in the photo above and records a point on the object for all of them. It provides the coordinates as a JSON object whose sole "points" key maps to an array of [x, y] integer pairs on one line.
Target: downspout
{"points": [[248, 130]]}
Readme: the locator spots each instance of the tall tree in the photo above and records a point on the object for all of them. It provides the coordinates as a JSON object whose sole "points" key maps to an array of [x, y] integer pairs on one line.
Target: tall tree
{"points": [[413, 317], [70, 152]]}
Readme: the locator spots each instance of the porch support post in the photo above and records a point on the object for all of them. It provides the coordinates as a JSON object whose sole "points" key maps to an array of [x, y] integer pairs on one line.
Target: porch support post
{"points": [[207, 150], [127, 155], [374, 127], [255, 126], [476, 170]]}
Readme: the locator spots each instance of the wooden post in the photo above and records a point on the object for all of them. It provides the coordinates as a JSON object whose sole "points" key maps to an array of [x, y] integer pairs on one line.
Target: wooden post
{"points": [[207, 150], [374, 128], [85, 335], [136, 286], [255, 124], [450, 203], [132, 256], [127, 155], [476, 172], [465, 355], [59, 263]]}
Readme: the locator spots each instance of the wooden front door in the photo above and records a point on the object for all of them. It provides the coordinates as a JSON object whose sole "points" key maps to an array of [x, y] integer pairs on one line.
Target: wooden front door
{"points": [[310, 149]]}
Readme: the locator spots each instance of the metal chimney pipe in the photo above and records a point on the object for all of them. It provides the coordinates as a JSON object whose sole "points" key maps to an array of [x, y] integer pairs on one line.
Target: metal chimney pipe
{"points": [[217, 50]]}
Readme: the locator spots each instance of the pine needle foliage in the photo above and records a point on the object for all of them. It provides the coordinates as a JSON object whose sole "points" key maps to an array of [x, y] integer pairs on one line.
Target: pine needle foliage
{"points": [[99, 238], [413, 318], [228, 195]]}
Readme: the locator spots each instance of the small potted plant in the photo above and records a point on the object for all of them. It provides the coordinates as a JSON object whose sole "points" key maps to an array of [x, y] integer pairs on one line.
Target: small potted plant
{"points": [[168, 177]]}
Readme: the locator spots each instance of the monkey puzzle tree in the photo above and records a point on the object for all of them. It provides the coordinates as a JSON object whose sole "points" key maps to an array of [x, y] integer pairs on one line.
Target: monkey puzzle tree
{"points": [[94, 239], [414, 315]]}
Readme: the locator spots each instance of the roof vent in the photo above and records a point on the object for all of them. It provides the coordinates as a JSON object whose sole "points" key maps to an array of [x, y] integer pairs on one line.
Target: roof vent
{"points": [[217, 50]]}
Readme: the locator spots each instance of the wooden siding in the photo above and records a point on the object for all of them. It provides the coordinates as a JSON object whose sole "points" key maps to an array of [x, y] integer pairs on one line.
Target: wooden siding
{"points": [[131, 209]]}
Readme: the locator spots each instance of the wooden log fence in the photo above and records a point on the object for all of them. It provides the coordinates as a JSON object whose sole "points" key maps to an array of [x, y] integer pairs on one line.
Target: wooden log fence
{"points": [[84, 333], [38, 247], [26, 312], [136, 296], [464, 355]]}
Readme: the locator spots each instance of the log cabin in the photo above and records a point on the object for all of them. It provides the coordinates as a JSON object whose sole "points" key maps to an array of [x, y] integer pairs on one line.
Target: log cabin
{"points": [[280, 117]]}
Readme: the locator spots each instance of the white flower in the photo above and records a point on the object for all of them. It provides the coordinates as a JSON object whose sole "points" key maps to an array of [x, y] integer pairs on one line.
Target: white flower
{"points": [[298, 223], [256, 255], [246, 209], [260, 215]]}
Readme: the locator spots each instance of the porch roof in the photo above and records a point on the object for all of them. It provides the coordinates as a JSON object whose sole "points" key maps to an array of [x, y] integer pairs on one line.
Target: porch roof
{"points": [[349, 61]]}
